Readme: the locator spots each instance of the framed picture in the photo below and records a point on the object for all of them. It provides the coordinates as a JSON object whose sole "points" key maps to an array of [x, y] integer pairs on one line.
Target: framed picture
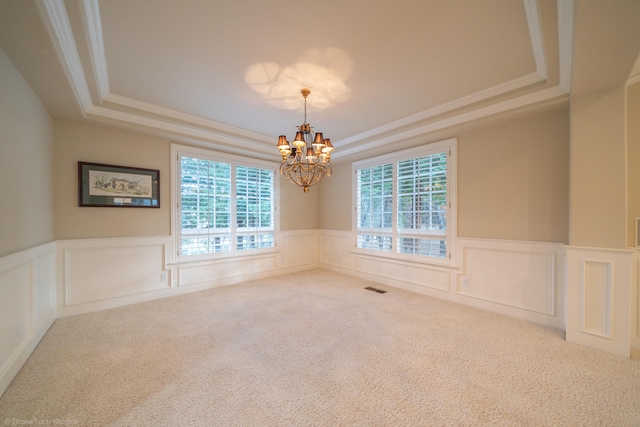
{"points": [[117, 186]]}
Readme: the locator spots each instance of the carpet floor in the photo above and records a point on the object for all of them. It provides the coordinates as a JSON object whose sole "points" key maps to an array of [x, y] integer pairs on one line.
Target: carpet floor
{"points": [[315, 349]]}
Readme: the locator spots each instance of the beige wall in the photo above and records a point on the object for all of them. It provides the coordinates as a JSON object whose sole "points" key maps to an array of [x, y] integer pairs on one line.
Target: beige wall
{"points": [[26, 177], [81, 142], [335, 209], [513, 179], [299, 210], [598, 173], [75, 142], [633, 160]]}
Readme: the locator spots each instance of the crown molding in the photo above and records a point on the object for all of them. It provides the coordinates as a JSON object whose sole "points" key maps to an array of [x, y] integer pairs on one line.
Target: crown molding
{"points": [[90, 10], [566, 12], [54, 16], [555, 92], [172, 116], [447, 107], [535, 33], [182, 130], [633, 80]]}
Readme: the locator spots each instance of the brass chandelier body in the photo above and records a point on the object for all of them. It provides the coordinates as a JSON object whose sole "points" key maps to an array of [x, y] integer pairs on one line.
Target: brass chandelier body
{"points": [[309, 160]]}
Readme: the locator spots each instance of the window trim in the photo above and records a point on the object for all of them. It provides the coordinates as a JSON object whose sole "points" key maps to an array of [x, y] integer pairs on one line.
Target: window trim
{"points": [[178, 150], [447, 145]]}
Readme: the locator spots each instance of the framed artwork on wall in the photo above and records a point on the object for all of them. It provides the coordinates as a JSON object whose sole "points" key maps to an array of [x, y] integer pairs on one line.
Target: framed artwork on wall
{"points": [[101, 185]]}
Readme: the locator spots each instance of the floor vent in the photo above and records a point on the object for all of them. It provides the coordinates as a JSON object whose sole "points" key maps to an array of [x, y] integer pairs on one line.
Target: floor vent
{"points": [[380, 291]]}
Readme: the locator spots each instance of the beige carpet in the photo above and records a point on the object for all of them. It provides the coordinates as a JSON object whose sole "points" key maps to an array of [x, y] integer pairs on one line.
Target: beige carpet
{"points": [[316, 349]]}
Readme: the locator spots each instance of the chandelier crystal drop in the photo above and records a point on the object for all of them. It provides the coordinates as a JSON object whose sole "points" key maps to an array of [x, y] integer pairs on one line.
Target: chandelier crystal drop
{"points": [[309, 160]]}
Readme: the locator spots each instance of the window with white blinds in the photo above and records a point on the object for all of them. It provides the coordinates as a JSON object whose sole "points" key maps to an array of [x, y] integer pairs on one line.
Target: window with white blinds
{"points": [[254, 208], [223, 206], [422, 206], [205, 206], [403, 203], [375, 207]]}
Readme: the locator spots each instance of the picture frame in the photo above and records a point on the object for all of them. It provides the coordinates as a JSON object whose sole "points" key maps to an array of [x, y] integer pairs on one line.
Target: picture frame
{"points": [[102, 185]]}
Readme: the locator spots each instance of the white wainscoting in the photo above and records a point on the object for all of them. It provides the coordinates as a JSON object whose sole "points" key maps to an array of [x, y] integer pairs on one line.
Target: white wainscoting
{"points": [[95, 274], [526, 278], [600, 286], [635, 302], [298, 250], [518, 279], [27, 306]]}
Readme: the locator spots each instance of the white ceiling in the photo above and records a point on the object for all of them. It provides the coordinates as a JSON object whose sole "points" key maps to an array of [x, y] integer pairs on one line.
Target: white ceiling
{"points": [[227, 71]]}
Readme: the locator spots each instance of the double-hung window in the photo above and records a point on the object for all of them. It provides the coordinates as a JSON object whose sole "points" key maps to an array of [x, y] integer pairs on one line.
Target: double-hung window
{"points": [[224, 205], [404, 203]]}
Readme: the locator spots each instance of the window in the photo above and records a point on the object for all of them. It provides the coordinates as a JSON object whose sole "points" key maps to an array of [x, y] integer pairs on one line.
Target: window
{"points": [[224, 205], [405, 201]]}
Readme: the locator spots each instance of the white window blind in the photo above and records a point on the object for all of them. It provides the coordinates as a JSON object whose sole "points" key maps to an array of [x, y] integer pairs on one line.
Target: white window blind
{"points": [[205, 206], [375, 207], [224, 206], [422, 206], [405, 201], [254, 208]]}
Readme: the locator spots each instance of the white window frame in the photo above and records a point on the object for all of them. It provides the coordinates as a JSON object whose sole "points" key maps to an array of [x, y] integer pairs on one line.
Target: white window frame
{"points": [[449, 146], [177, 151]]}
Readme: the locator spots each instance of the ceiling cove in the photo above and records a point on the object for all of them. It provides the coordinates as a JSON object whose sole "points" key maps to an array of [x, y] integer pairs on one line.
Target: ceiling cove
{"points": [[96, 102]]}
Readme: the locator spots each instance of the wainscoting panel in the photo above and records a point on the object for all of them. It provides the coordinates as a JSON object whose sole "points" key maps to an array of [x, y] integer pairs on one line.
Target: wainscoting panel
{"points": [[635, 306], [335, 249], [419, 275], [599, 291], [15, 286], [98, 273], [597, 314], [27, 307], [112, 272], [299, 250], [220, 272], [509, 276], [518, 279]]}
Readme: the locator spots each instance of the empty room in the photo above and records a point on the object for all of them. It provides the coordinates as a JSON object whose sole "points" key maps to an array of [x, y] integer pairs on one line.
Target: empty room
{"points": [[230, 212]]}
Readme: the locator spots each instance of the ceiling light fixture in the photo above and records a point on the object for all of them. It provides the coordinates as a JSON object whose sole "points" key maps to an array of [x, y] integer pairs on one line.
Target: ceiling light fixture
{"points": [[309, 160]]}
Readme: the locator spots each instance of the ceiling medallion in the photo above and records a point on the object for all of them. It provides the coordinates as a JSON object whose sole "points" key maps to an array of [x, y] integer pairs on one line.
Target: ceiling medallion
{"points": [[309, 160]]}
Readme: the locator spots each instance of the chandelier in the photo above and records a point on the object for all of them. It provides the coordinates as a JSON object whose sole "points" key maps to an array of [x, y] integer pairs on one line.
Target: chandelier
{"points": [[309, 160]]}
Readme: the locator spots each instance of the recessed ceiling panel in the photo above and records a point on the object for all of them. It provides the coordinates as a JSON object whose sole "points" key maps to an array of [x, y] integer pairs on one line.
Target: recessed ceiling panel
{"points": [[367, 63]]}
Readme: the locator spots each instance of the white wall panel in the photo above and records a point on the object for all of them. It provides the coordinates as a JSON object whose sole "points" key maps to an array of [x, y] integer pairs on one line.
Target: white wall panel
{"points": [[596, 296], [635, 306], [420, 275], [299, 249], [219, 271], [27, 307], [98, 271], [598, 292], [510, 276], [15, 317], [518, 279], [96, 274], [44, 288], [335, 249]]}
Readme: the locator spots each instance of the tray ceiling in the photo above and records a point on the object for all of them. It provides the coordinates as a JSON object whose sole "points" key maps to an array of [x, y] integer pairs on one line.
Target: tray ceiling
{"points": [[225, 71]]}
